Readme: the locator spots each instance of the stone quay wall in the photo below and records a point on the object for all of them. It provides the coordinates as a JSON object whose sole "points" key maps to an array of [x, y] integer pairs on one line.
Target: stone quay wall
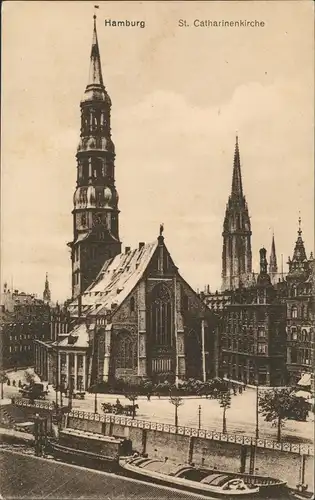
{"points": [[231, 452]]}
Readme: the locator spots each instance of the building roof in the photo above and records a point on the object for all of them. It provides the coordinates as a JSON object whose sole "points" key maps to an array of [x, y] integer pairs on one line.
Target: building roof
{"points": [[78, 337], [115, 281]]}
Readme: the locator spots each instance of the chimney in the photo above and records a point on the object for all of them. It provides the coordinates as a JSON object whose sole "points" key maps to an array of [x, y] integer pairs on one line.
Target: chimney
{"points": [[141, 244], [127, 249]]}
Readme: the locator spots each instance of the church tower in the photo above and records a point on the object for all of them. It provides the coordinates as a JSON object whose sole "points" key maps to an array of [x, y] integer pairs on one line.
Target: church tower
{"points": [[46, 293], [95, 212], [237, 252]]}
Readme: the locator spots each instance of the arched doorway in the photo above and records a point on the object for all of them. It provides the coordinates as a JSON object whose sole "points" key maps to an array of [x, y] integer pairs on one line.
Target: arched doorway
{"points": [[126, 354]]}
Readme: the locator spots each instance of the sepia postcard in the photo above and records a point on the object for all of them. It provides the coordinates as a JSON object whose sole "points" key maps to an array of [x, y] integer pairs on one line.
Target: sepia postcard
{"points": [[157, 250]]}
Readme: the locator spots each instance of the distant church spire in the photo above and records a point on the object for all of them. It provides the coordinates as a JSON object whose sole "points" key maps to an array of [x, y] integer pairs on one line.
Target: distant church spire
{"points": [[237, 188], [273, 266], [237, 252], [46, 294]]}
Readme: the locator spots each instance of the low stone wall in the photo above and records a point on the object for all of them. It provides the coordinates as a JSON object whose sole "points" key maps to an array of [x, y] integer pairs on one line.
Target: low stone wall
{"points": [[13, 436], [201, 447]]}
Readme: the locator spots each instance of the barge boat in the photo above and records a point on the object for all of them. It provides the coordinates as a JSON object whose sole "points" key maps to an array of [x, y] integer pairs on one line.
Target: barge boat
{"points": [[209, 482], [89, 449]]}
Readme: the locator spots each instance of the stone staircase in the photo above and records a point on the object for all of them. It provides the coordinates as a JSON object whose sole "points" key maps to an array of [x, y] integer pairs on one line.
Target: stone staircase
{"points": [[11, 417]]}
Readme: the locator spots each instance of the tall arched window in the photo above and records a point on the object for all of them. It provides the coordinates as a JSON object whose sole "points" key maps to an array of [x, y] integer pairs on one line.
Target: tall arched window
{"points": [[126, 352], [161, 316], [132, 304], [294, 312]]}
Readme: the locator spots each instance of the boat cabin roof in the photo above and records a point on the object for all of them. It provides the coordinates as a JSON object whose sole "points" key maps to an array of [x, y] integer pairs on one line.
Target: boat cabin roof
{"points": [[90, 435], [163, 467]]}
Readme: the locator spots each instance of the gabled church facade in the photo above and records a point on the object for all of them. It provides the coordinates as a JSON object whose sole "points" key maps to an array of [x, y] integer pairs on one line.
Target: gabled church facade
{"points": [[139, 319], [142, 320]]}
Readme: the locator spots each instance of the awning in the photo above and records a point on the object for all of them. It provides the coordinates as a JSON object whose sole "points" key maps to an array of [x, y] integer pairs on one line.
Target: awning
{"points": [[305, 379]]}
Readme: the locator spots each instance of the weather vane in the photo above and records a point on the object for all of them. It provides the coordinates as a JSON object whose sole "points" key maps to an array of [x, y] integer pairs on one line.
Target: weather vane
{"points": [[95, 7]]}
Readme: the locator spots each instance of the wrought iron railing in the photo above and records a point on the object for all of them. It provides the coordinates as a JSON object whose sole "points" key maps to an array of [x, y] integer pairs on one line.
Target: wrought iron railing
{"points": [[303, 449], [37, 403]]}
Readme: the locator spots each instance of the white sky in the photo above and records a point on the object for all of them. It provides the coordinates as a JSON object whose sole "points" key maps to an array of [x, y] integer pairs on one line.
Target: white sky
{"points": [[179, 95]]}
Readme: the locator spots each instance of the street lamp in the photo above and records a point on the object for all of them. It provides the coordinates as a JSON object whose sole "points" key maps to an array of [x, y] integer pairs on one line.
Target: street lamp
{"points": [[257, 411], [176, 401], [95, 397], [57, 370]]}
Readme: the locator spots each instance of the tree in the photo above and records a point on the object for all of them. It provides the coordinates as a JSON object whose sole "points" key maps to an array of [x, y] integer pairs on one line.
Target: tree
{"points": [[3, 379], [278, 405], [132, 396], [176, 401], [224, 398]]}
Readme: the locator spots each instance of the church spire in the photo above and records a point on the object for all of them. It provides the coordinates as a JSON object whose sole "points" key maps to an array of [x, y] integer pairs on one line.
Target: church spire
{"points": [[95, 201], [46, 294], [237, 188], [95, 74], [237, 253], [273, 266]]}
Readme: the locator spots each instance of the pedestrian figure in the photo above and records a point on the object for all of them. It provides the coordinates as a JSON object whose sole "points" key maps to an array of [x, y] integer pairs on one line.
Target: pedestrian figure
{"points": [[240, 389], [149, 397], [13, 383], [234, 389]]}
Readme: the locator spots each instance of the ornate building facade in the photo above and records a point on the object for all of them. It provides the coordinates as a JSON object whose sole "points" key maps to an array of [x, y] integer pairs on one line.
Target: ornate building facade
{"points": [[23, 319], [252, 333], [237, 252], [300, 315], [95, 212]]}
